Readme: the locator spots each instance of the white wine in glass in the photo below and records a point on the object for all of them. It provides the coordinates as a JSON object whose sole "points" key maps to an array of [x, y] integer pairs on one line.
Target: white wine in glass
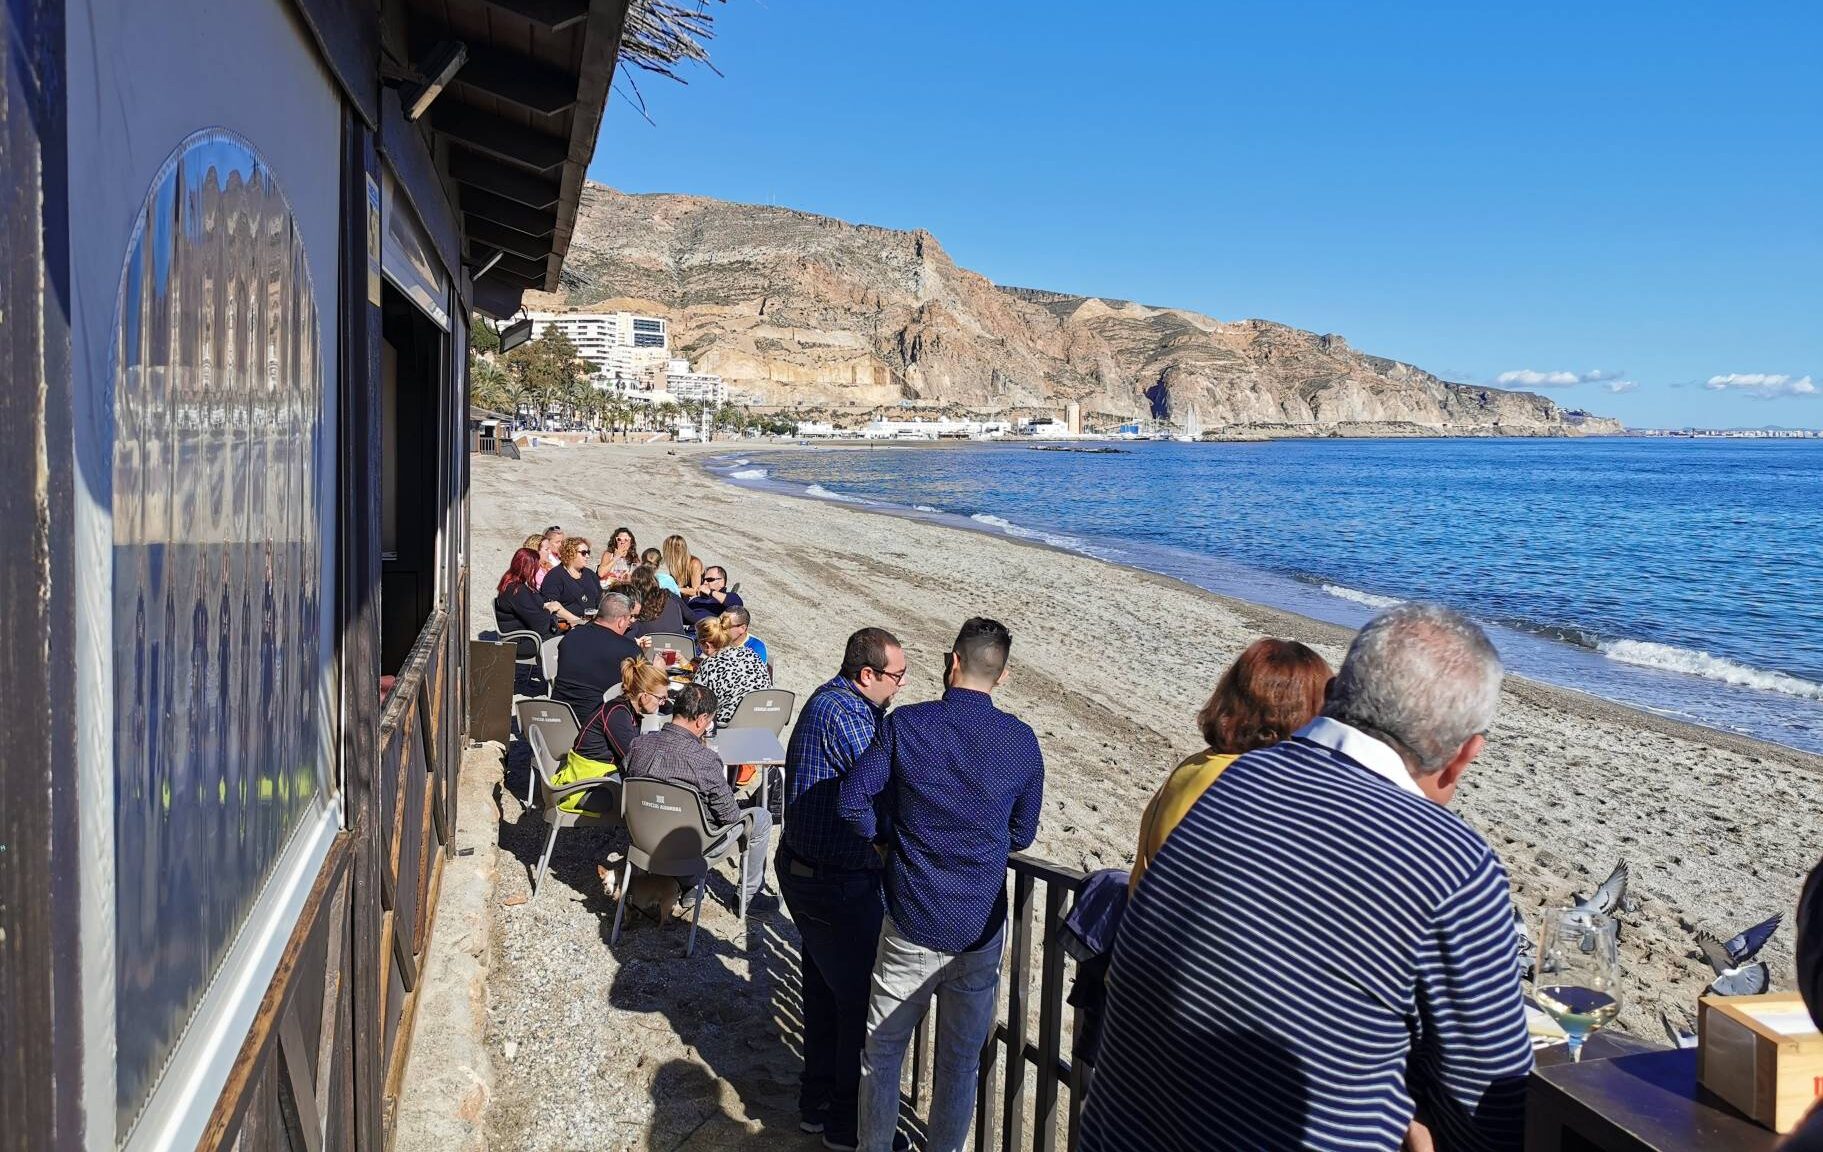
{"points": [[1577, 982]]}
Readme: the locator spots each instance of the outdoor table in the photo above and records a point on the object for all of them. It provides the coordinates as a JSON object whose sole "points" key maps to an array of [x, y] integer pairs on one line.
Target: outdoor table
{"points": [[1636, 1100], [750, 746]]}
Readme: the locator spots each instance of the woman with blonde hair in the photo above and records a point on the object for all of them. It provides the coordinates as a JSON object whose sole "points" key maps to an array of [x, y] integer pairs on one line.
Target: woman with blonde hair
{"points": [[685, 570], [1270, 691], [608, 734], [727, 667]]}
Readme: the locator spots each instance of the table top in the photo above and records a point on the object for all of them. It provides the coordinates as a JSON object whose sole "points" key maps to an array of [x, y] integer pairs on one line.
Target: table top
{"points": [[1644, 1100], [747, 746]]}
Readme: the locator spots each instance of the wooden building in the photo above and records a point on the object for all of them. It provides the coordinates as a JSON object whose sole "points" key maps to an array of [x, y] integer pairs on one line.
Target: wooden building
{"points": [[240, 245]]}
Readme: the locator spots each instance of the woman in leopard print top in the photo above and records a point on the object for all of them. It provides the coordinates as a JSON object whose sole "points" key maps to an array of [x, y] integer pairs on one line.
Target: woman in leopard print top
{"points": [[728, 669]]}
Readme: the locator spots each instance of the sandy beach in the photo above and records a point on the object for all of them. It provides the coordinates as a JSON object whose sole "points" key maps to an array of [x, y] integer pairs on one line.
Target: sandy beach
{"points": [[1110, 665]]}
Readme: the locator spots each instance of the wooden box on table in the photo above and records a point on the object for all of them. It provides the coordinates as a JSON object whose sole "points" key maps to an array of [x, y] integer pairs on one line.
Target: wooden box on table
{"points": [[1762, 1054]]}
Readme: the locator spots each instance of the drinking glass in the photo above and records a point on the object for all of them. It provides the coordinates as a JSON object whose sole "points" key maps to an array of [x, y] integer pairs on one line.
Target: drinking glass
{"points": [[1577, 982], [670, 657]]}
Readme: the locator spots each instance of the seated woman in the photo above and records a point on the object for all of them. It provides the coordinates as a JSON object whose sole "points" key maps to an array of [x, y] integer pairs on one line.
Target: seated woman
{"points": [[1270, 691], [659, 610], [517, 604], [620, 557], [654, 559], [572, 585], [608, 734], [685, 570], [727, 667]]}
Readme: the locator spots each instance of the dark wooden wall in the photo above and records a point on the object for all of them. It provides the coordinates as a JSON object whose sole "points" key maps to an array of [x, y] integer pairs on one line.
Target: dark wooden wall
{"points": [[40, 1080]]}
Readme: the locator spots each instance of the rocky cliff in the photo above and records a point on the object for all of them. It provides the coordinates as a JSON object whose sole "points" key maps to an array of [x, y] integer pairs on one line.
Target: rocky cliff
{"points": [[796, 308]]}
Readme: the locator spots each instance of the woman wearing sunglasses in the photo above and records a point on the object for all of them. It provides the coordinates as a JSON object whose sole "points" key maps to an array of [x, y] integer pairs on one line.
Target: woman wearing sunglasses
{"points": [[572, 590]]}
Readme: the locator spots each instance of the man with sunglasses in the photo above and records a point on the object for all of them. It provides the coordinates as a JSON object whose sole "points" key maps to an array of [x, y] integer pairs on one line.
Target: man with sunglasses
{"points": [[714, 598], [830, 877], [947, 790]]}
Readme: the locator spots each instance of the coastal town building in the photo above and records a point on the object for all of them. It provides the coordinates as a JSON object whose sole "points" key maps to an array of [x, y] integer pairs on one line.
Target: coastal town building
{"points": [[617, 345], [694, 387], [260, 230]]}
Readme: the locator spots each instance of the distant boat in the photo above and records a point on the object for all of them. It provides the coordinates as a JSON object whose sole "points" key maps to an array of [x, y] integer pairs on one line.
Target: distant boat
{"points": [[1193, 426]]}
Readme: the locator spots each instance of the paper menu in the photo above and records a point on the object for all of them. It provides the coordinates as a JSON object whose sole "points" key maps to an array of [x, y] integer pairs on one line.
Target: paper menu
{"points": [[1787, 1019]]}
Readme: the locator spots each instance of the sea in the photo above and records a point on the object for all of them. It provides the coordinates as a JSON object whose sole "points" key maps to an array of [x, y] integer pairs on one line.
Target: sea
{"points": [[1677, 575]]}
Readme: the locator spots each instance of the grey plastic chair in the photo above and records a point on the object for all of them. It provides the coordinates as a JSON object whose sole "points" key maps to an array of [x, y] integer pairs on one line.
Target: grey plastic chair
{"points": [[552, 717], [544, 766], [548, 658], [526, 653], [669, 834], [677, 642], [764, 708]]}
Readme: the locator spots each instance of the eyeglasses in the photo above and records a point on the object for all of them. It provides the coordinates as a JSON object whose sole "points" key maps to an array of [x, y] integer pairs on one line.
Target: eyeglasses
{"points": [[896, 677], [582, 552]]}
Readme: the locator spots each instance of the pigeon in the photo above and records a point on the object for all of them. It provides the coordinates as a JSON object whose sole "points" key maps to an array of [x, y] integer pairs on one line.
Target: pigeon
{"points": [[1528, 951], [1752, 980], [1681, 1037], [1607, 898], [1737, 950]]}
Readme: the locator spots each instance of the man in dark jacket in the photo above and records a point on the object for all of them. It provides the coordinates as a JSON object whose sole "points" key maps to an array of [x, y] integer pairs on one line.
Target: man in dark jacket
{"points": [[589, 656], [714, 599]]}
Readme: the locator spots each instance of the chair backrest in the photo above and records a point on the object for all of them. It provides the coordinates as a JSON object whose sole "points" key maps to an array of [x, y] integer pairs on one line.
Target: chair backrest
{"points": [[677, 642], [552, 718], [764, 708], [525, 644], [548, 651], [543, 763], [667, 827]]}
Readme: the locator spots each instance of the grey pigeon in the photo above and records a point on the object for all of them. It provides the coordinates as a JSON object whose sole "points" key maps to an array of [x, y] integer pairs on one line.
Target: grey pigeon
{"points": [[1607, 898], [1752, 980], [1528, 951], [1737, 950]]}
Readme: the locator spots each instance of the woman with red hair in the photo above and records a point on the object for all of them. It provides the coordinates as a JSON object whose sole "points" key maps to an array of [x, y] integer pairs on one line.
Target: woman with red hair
{"points": [[517, 605], [1270, 691]]}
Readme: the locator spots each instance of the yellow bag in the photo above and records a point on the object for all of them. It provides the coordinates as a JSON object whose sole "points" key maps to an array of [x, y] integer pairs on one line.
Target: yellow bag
{"points": [[576, 768]]}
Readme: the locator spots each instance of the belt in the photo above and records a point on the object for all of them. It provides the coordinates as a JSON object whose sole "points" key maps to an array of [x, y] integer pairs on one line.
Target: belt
{"points": [[807, 869]]}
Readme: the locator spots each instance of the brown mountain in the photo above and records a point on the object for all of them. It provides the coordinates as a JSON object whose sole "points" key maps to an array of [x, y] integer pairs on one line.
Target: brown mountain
{"points": [[796, 308]]}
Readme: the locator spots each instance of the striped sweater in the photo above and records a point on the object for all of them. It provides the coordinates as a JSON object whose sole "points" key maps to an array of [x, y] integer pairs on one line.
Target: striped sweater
{"points": [[1316, 952]]}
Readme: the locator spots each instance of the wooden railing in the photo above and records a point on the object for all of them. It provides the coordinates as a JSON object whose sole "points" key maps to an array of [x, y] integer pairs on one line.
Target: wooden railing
{"points": [[1011, 1060]]}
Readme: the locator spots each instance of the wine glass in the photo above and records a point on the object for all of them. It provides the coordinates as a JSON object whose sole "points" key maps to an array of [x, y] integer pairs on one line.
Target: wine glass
{"points": [[1577, 982]]}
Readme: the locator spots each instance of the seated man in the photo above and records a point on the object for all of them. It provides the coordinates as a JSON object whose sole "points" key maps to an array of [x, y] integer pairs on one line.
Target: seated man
{"points": [[589, 656], [738, 621], [714, 599], [677, 753]]}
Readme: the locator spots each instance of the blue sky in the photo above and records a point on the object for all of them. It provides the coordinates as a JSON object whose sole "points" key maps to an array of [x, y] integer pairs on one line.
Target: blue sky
{"points": [[1625, 195]]}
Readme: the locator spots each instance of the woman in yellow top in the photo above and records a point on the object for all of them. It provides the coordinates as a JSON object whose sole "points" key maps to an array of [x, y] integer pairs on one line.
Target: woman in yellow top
{"points": [[1271, 690]]}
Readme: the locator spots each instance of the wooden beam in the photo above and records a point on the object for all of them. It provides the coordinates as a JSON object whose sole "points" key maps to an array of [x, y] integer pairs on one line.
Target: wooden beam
{"points": [[513, 183], [487, 234], [500, 138], [524, 269], [553, 14], [511, 213], [518, 79]]}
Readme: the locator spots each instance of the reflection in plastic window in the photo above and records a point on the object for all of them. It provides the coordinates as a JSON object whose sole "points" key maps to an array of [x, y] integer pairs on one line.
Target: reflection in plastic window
{"points": [[217, 559]]}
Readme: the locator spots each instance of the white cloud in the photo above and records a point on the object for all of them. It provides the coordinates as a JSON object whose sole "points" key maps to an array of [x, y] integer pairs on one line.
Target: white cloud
{"points": [[1531, 378], [1762, 385], [1619, 386]]}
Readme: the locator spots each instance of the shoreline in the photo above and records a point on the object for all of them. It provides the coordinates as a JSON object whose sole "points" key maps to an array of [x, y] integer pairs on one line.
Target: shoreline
{"points": [[1111, 662], [1283, 622]]}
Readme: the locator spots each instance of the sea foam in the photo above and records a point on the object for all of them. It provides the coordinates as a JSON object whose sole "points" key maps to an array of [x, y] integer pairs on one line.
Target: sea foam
{"points": [[1359, 597], [1020, 532], [748, 474], [1692, 663], [822, 493]]}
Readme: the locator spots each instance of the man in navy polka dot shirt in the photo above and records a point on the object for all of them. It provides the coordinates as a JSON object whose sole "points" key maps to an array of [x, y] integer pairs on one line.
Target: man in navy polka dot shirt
{"points": [[946, 791]]}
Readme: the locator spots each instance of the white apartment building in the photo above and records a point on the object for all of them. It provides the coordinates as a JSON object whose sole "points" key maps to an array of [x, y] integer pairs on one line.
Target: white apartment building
{"points": [[612, 342], [694, 387]]}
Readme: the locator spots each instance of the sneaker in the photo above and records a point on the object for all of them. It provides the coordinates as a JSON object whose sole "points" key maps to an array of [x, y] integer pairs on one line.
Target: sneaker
{"points": [[811, 1124]]}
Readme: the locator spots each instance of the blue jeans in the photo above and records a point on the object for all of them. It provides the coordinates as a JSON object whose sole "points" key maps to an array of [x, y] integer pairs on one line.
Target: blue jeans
{"points": [[905, 977], [838, 915]]}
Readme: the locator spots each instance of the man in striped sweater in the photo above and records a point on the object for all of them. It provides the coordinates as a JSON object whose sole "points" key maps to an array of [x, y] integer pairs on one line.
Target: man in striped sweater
{"points": [[1321, 955]]}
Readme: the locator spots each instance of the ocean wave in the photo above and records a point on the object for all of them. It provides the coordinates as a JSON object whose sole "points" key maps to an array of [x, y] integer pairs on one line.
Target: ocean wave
{"points": [[924, 508], [1343, 592], [1054, 539], [748, 473], [1692, 663], [822, 493]]}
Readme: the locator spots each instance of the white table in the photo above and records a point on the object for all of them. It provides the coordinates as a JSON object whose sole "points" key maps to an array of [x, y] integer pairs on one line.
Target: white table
{"points": [[750, 746]]}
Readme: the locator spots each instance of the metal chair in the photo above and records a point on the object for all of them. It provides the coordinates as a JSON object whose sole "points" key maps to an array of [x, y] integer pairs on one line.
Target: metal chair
{"points": [[552, 717], [550, 795], [764, 708], [526, 653], [669, 834]]}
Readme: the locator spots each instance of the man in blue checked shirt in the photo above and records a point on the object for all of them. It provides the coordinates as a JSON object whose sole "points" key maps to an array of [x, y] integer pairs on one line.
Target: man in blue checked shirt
{"points": [[830, 877], [949, 788]]}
